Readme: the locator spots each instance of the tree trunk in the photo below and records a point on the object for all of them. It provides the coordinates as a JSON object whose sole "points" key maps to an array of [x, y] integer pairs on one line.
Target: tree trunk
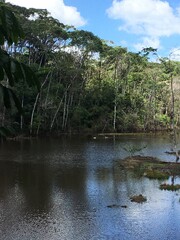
{"points": [[55, 115], [173, 120], [21, 121], [35, 103], [115, 97]]}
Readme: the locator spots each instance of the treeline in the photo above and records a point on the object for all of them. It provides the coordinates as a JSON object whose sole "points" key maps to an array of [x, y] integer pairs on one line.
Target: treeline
{"points": [[86, 83]]}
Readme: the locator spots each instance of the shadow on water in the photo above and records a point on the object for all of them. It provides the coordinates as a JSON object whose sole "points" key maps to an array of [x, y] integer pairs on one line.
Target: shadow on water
{"points": [[36, 181], [33, 180]]}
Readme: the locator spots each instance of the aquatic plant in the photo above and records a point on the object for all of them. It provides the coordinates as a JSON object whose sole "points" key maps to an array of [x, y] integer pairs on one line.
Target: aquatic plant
{"points": [[156, 174], [170, 187]]}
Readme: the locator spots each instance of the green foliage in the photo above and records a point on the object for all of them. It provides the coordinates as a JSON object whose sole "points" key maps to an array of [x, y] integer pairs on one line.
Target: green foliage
{"points": [[10, 30], [80, 117], [9, 96], [156, 174], [164, 119], [116, 90], [85, 40], [170, 187], [15, 71], [11, 71]]}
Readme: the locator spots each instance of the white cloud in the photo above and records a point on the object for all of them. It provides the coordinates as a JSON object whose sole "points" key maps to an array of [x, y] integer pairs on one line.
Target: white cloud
{"points": [[149, 19], [123, 43], [65, 14], [175, 54], [146, 17], [147, 42]]}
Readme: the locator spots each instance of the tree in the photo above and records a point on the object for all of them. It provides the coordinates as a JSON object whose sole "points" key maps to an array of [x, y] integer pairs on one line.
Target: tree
{"points": [[169, 69], [11, 71]]}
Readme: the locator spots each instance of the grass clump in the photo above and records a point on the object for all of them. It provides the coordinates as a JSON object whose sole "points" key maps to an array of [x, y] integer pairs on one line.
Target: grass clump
{"points": [[170, 187], [156, 174]]}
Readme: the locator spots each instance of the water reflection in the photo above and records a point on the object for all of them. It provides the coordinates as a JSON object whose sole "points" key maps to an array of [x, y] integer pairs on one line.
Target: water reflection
{"points": [[60, 189]]}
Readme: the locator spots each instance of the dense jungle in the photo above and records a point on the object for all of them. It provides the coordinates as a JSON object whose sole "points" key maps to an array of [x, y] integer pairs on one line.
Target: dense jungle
{"points": [[57, 79]]}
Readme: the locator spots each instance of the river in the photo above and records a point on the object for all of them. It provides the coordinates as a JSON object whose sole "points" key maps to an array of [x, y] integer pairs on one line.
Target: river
{"points": [[60, 189]]}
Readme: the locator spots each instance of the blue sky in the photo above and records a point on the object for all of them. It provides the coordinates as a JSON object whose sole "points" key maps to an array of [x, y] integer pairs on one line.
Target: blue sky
{"points": [[128, 23]]}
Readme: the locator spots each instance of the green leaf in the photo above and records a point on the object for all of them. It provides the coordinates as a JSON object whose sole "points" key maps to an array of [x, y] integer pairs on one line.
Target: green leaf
{"points": [[8, 97], [7, 68], [9, 26], [4, 57], [16, 71]]}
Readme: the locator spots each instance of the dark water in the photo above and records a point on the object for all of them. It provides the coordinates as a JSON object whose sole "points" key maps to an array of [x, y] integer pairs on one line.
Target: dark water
{"points": [[53, 189]]}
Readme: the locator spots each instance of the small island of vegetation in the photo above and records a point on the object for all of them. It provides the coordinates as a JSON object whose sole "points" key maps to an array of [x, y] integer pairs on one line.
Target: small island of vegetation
{"points": [[153, 168]]}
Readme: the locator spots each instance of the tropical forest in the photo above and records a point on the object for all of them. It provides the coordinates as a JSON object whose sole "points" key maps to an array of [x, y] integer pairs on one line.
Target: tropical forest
{"points": [[58, 79]]}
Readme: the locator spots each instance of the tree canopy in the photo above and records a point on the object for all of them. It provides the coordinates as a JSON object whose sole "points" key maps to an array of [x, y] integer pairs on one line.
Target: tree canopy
{"points": [[69, 80]]}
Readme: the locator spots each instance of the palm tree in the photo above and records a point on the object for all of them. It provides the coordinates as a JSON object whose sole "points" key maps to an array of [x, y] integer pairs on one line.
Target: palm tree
{"points": [[11, 70]]}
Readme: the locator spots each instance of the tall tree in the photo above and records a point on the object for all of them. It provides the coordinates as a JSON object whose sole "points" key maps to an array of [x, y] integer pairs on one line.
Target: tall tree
{"points": [[11, 71]]}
